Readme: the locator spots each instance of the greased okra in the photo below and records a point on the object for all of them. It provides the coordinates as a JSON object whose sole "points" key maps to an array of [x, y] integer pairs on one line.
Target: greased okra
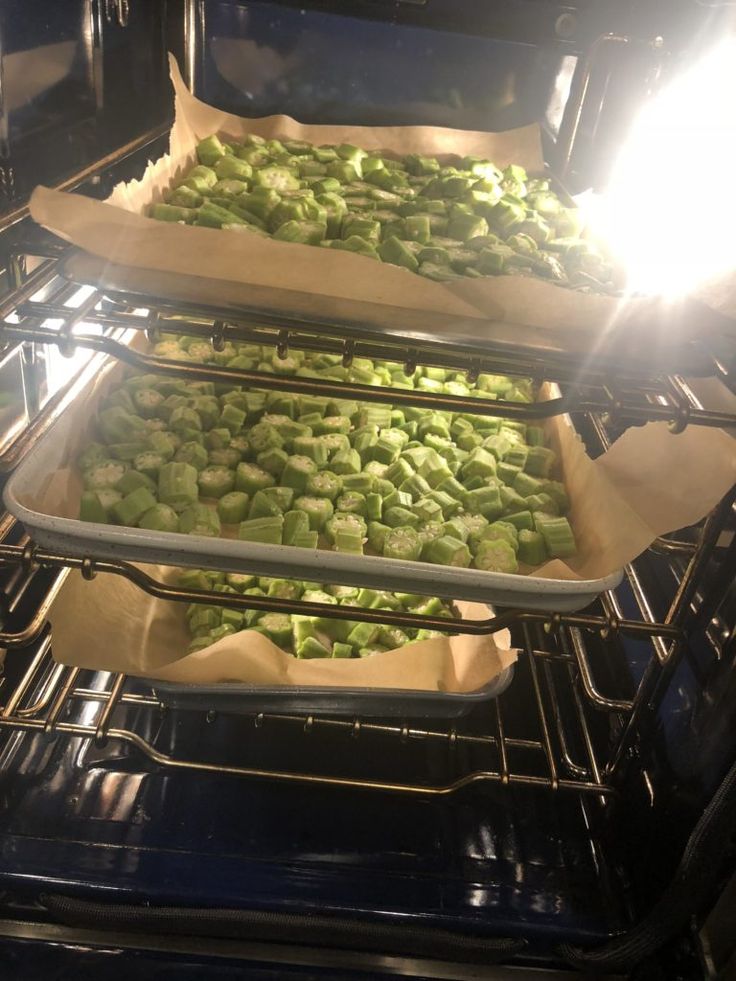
{"points": [[462, 490], [443, 221]]}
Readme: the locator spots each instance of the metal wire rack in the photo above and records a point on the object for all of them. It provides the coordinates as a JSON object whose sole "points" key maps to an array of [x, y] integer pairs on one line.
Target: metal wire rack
{"points": [[559, 745]]}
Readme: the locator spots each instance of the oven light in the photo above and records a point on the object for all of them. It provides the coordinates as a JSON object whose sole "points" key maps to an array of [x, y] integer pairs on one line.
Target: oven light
{"points": [[669, 214]]}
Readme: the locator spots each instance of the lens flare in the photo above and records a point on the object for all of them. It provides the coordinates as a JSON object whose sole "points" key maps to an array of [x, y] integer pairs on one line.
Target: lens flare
{"points": [[669, 214]]}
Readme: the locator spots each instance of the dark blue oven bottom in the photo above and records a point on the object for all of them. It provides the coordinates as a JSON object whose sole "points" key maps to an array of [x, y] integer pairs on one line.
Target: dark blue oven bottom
{"points": [[104, 824]]}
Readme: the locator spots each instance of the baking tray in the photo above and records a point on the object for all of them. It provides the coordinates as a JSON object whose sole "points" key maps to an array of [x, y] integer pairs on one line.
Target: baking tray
{"points": [[389, 703], [80, 539]]}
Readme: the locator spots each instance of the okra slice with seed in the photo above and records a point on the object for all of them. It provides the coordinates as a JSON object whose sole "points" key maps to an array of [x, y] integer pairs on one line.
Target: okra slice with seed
{"points": [[402, 543], [495, 556], [251, 478], [350, 523], [215, 481], [104, 475]]}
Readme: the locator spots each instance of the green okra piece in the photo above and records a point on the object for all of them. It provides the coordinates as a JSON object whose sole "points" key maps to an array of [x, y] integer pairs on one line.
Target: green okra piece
{"points": [[172, 212], [377, 535], [190, 452], [557, 534], [310, 647], [215, 481], [346, 462], [263, 506], [160, 517], [427, 510], [296, 523], [282, 588], [415, 486], [397, 498], [396, 517], [350, 523], [313, 447], [341, 650], [456, 529], [363, 634], [324, 484], [402, 543], [275, 626], [428, 532], [351, 502], [480, 463], [539, 461], [306, 539], [495, 556], [349, 541], [147, 401], [198, 519], [449, 505], [251, 478], [132, 480], [297, 471], [239, 581], [232, 418], [209, 151], [232, 508], [532, 547], [104, 475], [484, 500], [131, 508], [217, 438], [91, 508], [522, 519], [373, 507], [497, 531], [362, 482], [317, 509], [448, 551], [542, 502], [273, 460], [393, 250], [177, 485], [267, 530], [525, 485], [556, 490]]}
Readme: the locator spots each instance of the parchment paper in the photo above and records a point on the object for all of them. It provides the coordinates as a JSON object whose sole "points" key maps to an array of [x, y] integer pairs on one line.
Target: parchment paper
{"points": [[230, 263], [148, 638]]}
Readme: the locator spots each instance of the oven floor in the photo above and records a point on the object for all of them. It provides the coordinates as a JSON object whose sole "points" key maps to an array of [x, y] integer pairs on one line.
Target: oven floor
{"points": [[106, 824]]}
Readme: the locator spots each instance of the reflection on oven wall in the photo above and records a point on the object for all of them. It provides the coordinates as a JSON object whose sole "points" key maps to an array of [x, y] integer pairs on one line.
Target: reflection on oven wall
{"points": [[263, 58], [76, 81]]}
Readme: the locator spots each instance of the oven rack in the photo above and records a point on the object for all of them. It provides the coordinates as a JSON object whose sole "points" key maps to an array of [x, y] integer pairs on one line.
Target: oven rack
{"points": [[613, 390], [561, 667], [52, 700]]}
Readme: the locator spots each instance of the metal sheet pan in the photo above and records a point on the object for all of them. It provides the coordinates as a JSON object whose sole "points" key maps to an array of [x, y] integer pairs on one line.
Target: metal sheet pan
{"points": [[374, 702], [72, 537]]}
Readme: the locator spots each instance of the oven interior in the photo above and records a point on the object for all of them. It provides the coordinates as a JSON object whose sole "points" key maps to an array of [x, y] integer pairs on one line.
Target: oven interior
{"points": [[546, 830]]}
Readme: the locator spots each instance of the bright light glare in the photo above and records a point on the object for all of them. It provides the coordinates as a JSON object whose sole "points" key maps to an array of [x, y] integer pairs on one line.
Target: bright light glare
{"points": [[668, 214]]}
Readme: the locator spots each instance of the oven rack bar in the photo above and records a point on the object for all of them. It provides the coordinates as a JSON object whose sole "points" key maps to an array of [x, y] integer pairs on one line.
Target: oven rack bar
{"points": [[626, 401], [30, 556], [50, 699]]}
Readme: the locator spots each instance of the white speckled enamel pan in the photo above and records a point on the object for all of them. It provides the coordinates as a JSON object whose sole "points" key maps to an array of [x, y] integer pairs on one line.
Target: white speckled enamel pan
{"points": [[78, 538]]}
